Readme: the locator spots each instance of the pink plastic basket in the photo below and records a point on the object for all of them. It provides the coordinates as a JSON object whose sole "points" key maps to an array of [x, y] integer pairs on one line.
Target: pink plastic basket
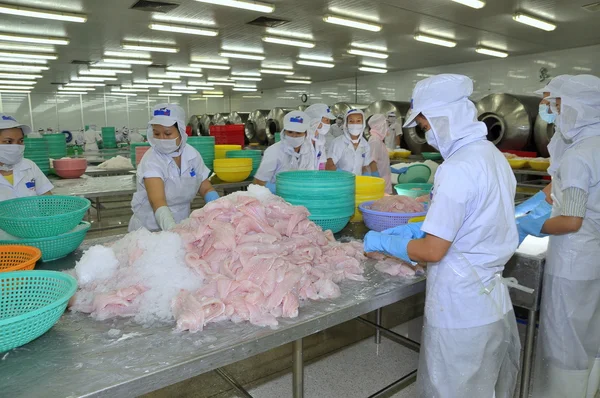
{"points": [[380, 221]]}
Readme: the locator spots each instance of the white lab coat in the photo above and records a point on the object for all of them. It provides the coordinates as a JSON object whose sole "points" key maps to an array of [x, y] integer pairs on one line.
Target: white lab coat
{"points": [[346, 158], [28, 181], [181, 185], [276, 160], [394, 131]]}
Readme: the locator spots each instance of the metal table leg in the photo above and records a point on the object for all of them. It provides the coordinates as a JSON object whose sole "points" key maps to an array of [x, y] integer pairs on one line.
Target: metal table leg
{"points": [[378, 322], [98, 208], [298, 370], [528, 354], [227, 377]]}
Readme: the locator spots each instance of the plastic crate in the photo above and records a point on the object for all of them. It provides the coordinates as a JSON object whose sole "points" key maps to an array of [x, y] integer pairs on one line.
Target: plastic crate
{"points": [[380, 221], [522, 154], [231, 134]]}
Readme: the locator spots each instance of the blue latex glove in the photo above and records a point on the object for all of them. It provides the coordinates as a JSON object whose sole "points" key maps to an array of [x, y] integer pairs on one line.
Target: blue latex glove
{"points": [[272, 187], [402, 170], [532, 223], [375, 174], [210, 196], [529, 204], [366, 173], [412, 231], [393, 245]]}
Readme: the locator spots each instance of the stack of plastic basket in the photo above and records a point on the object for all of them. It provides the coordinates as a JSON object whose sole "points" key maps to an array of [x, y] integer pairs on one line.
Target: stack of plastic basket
{"points": [[140, 151], [57, 145], [206, 147], [367, 189], [277, 137], [328, 195], [51, 223], [132, 152], [231, 134], [36, 150], [256, 157], [109, 139], [221, 150]]}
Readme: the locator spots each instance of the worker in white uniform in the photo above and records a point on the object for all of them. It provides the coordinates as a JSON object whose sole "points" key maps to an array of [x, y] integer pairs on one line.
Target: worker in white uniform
{"points": [[351, 152], [170, 174], [392, 139], [318, 128], [20, 177], [293, 152], [379, 153], [567, 358], [470, 345]]}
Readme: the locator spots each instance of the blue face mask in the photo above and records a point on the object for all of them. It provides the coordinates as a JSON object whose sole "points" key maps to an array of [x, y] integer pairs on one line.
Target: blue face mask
{"points": [[547, 117]]}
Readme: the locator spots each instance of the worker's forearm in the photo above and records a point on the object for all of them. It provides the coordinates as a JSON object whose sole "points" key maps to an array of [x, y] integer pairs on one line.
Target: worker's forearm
{"points": [[421, 252], [562, 225], [259, 182], [330, 165], [205, 188], [373, 167]]}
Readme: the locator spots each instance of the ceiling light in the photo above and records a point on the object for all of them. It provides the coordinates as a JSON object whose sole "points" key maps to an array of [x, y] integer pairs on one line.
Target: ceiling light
{"points": [[22, 68], [213, 96], [471, 3], [251, 96], [313, 63], [149, 47], [193, 21], [273, 66], [277, 72], [209, 66], [76, 89], [93, 79], [291, 81], [113, 71], [288, 42], [26, 61], [102, 65], [4, 75], [244, 89], [17, 91], [211, 60], [200, 87], [374, 64], [166, 75], [253, 74], [177, 91], [142, 85], [183, 29], [34, 39], [96, 72], [371, 69], [183, 69], [365, 53], [246, 79], [123, 94], [244, 85], [169, 95], [156, 81], [120, 54], [280, 32], [435, 40], [220, 79], [582, 68], [315, 57], [44, 14], [368, 46], [127, 61], [245, 5], [352, 23], [242, 56], [195, 83], [28, 55], [21, 82], [222, 84], [85, 84], [493, 53], [16, 87], [535, 22], [131, 90]]}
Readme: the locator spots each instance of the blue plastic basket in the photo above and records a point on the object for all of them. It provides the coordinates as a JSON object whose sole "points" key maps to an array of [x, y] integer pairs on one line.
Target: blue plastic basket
{"points": [[380, 221]]}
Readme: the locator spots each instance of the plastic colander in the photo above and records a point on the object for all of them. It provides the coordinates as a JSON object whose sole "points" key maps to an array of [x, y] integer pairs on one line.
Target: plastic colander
{"points": [[380, 221], [417, 173], [413, 190], [31, 303], [18, 258]]}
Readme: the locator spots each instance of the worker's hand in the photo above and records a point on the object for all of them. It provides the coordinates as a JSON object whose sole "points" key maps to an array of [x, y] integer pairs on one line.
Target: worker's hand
{"points": [[533, 222], [164, 218], [210, 196], [272, 187], [530, 204], [412, 231], [402, 170], [389, 244], [375, 174]]}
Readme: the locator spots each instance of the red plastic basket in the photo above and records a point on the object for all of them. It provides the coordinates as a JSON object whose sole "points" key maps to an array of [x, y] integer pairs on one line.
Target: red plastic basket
{"points": [[231, 134], [522, 154]]}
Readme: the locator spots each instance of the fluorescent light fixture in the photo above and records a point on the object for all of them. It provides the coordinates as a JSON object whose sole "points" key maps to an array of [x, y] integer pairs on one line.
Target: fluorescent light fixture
{"points": [[123, 94], [244, 85], [471, 3], [286, 33], [516, 76], [16, 87], [96, 72], [251, 96], [274, 66], [374, 64], [166, 75], [177, 91], [169, 95], [219, 79], [93, 79], [535, 22], [209, 66], [189, 74], [582, 68], [183, 29], [245, 5], [210, 60], [20, 82], [352, 23], [34, 39], [183, 69], [18, 91], [22, 68], [142, 85], [222, 84], [5, 75], [317, 64], [102, 65], [131, 90], [371, 69], [120, 54], [242, 56], [25, 61], [288, 42], [212, 96], [368, 46], [43, 14], [435, 40], [195, 83], [192, 21], [149, 47], [184, 87], [114, 71], [199, 87], [315, 57], [85, 84], [277, 72], [365, 53], [127, 61], [246, 79], [244, 89], [28, 55], [76, 89], [490, 52], [292, 81], [251, 74], [156, 81], [212, 92]]}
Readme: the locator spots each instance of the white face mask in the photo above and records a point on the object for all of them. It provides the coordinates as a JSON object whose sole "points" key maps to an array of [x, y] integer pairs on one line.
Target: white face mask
{"points": [[355, 129], [294, 142], [431, 140], [10, 155], [324, 130], [166, 147]]}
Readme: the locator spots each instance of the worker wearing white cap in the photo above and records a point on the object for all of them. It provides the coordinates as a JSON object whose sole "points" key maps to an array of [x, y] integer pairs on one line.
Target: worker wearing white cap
{"points": [[170, 174], [20, 177], [392, 139], [318, 128], [568, 352], [351, 152], [337, 130], [293, 152], [470, 345]]}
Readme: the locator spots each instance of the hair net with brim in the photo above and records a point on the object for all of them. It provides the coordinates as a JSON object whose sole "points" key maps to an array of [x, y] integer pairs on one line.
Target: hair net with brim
{"points": [[435, 92], [378, 126], [353, 112], [168, 115], [9, 122]]}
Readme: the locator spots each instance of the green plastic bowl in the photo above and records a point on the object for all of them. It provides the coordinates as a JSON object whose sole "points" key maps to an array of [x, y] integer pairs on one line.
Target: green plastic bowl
{"points": [[416, 174], [42, 216], [432, 155], [31, 302], [413, 190]]}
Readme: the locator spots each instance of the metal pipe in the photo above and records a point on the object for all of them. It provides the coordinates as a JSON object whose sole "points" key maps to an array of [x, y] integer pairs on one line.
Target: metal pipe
{"points": [[395, 337], [228, 378], [528, 354], [30, 112], [378, 322], [297, 370], [409, 379]]}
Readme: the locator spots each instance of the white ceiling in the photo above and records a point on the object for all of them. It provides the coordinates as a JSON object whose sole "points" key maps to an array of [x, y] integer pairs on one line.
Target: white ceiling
{"points": [[111, 21]]}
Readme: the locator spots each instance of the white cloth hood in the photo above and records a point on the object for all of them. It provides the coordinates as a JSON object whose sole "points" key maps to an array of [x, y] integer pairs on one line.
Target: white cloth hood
{"points": [[354, 112], [168, 115], [379, 126]]}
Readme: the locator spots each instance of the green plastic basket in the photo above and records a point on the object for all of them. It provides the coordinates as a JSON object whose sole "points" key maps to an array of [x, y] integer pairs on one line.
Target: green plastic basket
{"points": [[334, 224], [416, 174], [42, 216], [413, 190], [277, 137], [431, 155], [256, 157], [55, 247], [31, 303]]}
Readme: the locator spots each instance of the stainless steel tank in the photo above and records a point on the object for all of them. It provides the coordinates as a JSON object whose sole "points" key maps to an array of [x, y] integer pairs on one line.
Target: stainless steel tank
{"points": [[219, 119], [509, 119], [341, 108], [238, 117], [256, 127], [542, 134], [302, 108], [194, 122], [204, 123], [275, 122]]}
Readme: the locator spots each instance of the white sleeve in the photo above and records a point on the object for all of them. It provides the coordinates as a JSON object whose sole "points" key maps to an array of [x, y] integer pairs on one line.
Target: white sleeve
{"points": [[335, 151], [398, 130], [367, 159], [42, 183], [268, 165], [151, 167], [575, 172], [202, 171]]}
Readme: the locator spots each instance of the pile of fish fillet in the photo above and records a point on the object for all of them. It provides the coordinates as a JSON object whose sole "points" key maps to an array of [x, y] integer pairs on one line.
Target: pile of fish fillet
{"points": [[398, 204]]}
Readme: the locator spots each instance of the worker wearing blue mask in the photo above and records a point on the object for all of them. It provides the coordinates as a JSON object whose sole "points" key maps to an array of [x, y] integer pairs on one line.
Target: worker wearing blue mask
{"points": [[470, 345], [567, 358]]}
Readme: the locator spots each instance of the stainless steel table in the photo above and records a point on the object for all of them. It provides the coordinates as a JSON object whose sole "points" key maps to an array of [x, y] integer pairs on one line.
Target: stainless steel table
{"points": [[95, 171], [95, 187]]}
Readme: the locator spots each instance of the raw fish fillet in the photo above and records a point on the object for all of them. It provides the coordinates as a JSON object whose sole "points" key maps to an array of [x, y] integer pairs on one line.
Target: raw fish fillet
{"points": [[397, 204]]}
